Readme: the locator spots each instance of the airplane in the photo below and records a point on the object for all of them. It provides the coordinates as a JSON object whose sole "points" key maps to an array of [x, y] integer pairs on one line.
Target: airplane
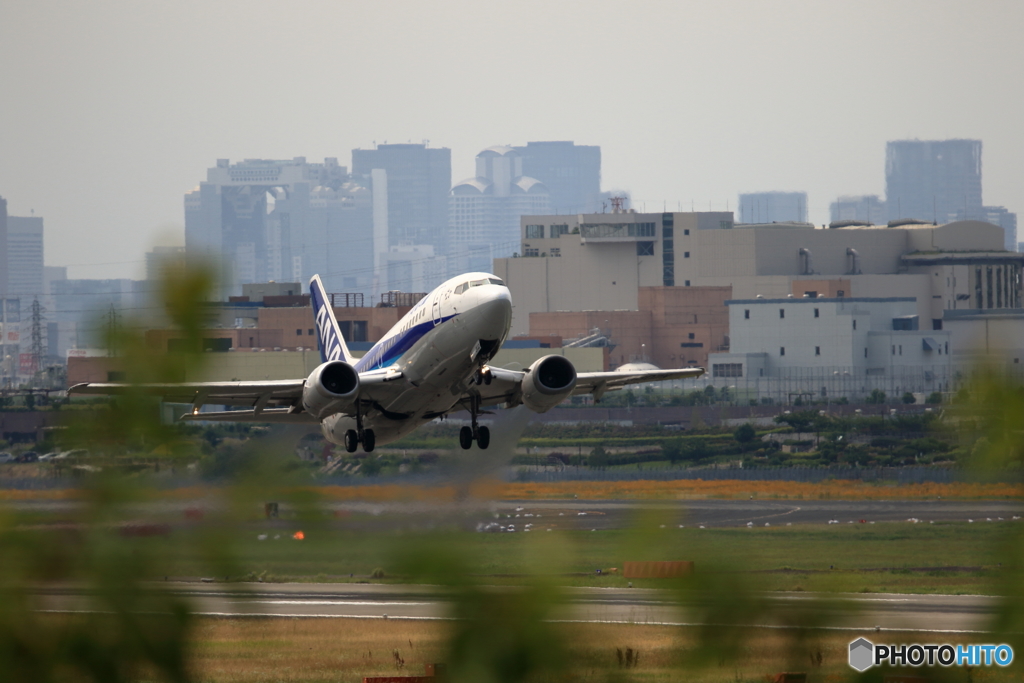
{"points": [[433, 362]]}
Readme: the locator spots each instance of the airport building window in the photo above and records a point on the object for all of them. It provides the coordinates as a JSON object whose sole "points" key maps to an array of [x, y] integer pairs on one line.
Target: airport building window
{"points": [[687, 283], [691, 336], [298, 333], [531, 252], [556, 252], [817, 350], [782, 312], [686, 254], [645, 248], [815, 312], [686, 231], [667, 246], [727, 370], [854, 324], [746, 314], [559, 230], [310, 332], [782, 350], [534, 232]]}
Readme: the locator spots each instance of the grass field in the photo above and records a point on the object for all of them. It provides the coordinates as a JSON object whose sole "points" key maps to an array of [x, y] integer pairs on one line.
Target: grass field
{"points": [[345, 650], [886, 557]]}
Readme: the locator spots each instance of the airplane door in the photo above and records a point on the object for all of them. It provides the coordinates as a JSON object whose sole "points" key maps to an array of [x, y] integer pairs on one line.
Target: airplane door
{"points": [[435, 310]]}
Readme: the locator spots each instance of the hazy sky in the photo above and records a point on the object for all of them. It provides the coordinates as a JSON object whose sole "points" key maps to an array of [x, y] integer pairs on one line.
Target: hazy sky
{"points": [[110, 111]]}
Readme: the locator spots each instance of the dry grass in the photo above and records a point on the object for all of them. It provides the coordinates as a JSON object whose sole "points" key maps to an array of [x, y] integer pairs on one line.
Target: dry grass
{"points": [[347, 649], [256, 649], [597, 490], [682, 489]]}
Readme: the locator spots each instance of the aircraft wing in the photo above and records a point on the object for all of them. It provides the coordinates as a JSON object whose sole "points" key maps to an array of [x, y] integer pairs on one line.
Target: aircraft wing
{"points": [[597, 383], [505, 384], [272, 393], [269, 401]]}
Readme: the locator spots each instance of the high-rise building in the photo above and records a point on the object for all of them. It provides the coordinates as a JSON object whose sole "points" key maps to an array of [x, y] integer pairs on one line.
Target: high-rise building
{"points": [[773, 207], [3, 247], [25, 258], [999, 215], [418, 180], [571, 172], [484, 210], [161, 259], [865, 208], [933, 180], [284, 220]]}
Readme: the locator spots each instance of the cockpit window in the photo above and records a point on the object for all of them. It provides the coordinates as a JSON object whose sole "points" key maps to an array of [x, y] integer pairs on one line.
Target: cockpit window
{"points": [[478, 283], [495, 281], [461, 288]]}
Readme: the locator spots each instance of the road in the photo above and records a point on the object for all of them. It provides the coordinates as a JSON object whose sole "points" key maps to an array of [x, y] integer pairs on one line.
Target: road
{"points": [[886, 612]]}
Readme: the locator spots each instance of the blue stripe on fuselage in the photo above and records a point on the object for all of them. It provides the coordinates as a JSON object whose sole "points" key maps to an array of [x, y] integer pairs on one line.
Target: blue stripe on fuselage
{"points": [[387, 351]]}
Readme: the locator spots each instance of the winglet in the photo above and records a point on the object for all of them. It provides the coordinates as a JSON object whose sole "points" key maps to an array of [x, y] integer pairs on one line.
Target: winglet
{"points": [[332, 343]]}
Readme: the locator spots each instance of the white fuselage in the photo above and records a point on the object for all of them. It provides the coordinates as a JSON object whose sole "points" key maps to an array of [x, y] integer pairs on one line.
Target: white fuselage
{"points": [[438, 346]]}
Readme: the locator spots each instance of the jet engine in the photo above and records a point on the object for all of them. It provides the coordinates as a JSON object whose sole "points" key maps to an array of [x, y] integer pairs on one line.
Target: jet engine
{"points": [[332, 387], [548, 382]]}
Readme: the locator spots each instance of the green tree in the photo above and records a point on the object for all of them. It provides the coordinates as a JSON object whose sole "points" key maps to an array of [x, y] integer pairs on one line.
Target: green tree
{"points": [[744, 433], [800, 421], [934, 398], [876, 397], [908, 398]]}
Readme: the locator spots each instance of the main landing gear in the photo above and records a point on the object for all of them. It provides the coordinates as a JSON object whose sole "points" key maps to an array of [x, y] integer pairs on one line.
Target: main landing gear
{"points": [[354, 437], [480, 434]]}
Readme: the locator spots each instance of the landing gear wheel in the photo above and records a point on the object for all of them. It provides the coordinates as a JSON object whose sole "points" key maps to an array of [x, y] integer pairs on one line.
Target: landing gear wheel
{"points": [[369, 440], [351, 441], [466, 438], [483, 437]]}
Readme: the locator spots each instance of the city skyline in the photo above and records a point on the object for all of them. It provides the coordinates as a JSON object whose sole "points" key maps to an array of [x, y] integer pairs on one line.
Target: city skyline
{"points": [[112, 110]]}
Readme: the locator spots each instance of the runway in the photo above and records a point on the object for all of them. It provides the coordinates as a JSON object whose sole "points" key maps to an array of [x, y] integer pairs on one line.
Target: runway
{"points": [[884, 612], [619, 514]]}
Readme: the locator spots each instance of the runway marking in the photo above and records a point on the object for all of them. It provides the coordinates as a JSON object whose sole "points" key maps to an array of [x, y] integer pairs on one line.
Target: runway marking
{"points": [[353, 603], [250, 615]]}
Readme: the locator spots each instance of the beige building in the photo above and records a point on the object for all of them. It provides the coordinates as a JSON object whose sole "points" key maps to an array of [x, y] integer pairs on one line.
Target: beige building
{"points": [[674, 326], [601, 262]]}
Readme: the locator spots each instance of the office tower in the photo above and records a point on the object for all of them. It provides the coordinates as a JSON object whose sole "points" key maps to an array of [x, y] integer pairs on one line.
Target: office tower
{"points": [[25, 258], [3, 247], [161, 259], [865, 208], [283, 220], [999, 215], [773, 207], [933, 180], [571, 172], [484, 210], [418, 180]]}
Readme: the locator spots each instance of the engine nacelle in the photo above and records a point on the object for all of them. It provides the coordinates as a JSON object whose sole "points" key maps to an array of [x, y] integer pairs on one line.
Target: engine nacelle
{"points": [[332, 387], [548, 382]]}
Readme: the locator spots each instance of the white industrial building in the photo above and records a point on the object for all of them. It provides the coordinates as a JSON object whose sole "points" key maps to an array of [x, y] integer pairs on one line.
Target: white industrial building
{"points": [[821, 347]]}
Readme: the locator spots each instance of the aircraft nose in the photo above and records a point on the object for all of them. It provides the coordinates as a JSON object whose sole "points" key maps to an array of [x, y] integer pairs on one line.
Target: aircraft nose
{"points": [[495, 314]]}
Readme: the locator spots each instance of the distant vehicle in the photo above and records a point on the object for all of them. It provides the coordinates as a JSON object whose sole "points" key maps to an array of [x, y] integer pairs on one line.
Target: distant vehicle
{"points": [[49, 456], [434, 361], [5, 458], [76, 453], [27, 456]]}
